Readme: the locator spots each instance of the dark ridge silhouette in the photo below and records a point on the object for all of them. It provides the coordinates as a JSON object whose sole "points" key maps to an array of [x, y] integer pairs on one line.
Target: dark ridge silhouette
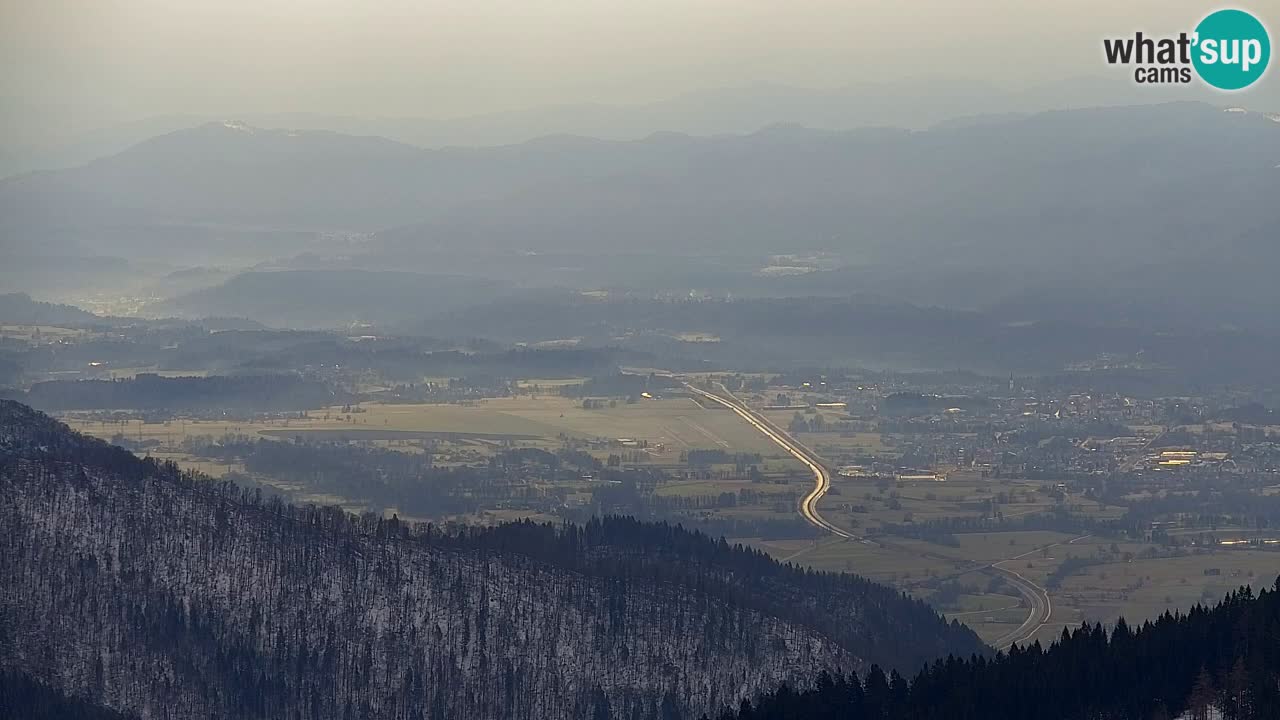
{"points": [[1224, 659]]}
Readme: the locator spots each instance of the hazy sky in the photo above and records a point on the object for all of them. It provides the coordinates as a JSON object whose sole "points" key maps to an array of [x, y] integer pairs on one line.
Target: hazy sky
{"points": [[93, 62]]}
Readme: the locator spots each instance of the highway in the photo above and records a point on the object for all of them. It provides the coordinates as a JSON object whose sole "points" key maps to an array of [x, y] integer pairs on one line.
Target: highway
{"points": [[821, 476], [1037, 597], [1041, 605], [1041, 608]]}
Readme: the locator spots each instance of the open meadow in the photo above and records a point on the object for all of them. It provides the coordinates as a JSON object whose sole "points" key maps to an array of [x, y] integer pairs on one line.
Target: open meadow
{"points": [[667, 426]]}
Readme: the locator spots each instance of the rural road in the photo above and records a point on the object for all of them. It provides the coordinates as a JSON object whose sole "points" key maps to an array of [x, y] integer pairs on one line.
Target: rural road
{"points": [[821, 476]]}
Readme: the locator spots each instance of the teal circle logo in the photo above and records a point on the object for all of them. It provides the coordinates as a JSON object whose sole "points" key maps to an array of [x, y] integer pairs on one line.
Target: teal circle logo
{"points": [[1232, 49]]}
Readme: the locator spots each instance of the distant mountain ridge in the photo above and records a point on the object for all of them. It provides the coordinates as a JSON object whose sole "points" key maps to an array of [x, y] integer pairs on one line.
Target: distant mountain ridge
{"points": [[335, 298], [916, 103], [1148, 176], [1126, 206]]}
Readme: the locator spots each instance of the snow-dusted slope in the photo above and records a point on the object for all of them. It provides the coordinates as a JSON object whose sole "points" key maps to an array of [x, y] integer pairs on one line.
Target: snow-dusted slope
{"points": [[161, 595]]}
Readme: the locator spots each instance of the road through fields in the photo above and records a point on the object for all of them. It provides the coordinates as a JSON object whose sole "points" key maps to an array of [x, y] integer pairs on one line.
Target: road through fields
{"points": [[821, 476], [1041, 606]]}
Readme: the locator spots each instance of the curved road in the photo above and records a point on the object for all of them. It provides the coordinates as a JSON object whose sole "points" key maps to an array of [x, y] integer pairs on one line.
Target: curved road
{"points": [[1041, 609], [1036, 596], [821, 476], [1041, 605]]}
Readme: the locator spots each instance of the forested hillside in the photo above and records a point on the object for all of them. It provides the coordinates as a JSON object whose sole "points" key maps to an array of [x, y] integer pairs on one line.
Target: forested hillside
{"points": [[1222, 662], [22, 697], [156, 593], [149, 391], [20, 309]]}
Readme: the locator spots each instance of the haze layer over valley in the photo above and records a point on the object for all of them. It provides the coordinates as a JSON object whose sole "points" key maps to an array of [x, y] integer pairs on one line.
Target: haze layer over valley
{"points": [[638, 361]]}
